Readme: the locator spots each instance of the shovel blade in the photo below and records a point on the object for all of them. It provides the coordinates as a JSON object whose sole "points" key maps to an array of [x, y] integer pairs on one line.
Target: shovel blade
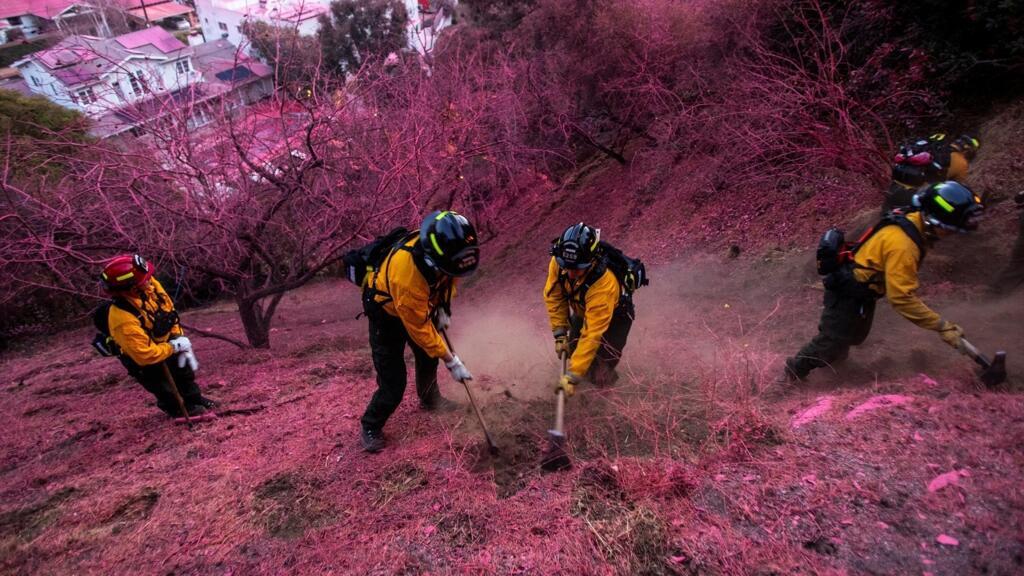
{"points": [[556, 458], [995, 373]]}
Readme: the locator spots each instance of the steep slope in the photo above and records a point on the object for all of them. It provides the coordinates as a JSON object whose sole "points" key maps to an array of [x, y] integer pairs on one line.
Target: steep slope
{"points": [[897, 462]]}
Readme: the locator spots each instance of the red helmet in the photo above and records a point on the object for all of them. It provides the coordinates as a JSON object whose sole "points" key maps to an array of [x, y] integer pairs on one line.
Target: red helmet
{"points": [[125, 272]]}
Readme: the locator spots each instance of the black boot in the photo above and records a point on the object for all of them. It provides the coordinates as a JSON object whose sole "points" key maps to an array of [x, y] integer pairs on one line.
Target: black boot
{"points": [[206, 403], [439, 404], [372, 440]]}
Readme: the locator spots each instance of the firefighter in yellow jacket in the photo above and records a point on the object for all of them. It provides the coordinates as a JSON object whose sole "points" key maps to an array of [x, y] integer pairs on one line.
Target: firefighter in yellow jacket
{"points": [[886, 264], [928, 161], [407, 301], [589, 312], [145, 334]]}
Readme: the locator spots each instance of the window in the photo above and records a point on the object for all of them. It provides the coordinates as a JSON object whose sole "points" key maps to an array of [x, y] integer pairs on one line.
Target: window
{"points": [[85, 97], [222, 26], [138, 83], [181, 66], [14, 20], [35, 81], [200, 118]]}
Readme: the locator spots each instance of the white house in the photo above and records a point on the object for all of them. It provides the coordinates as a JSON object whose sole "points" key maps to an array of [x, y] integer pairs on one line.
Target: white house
{"points": [[33, 17], [96, 75], [427, 18], [224, 18]]}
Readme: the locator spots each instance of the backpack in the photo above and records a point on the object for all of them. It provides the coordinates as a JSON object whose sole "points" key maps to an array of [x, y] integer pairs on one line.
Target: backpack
{"points": [[834, 251], [102, 341], [630, 272], [361, 262], [922, 161]]}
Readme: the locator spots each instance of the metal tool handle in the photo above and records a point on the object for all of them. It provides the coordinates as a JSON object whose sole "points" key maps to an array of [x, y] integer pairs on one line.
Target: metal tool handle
{"points": [[479, 416], [173, 387], [969, 349], [560, 400]]}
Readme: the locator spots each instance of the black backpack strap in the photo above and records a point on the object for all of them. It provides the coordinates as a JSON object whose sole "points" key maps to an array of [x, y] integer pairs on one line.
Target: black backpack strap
{"points": [[370, 292], [581, 293], [900, 219], [128, 307]]}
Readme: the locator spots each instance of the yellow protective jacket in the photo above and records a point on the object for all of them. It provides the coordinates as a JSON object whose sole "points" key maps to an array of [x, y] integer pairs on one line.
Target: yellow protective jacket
{"points": [[957, 170], [412, 299], [132, 335], [596, 308], [888, 262]]}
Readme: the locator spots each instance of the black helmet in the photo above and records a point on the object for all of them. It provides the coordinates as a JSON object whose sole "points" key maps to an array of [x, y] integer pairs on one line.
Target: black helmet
{"points": [[577, 246], [966, 145], [949, 205], [449, 243]]}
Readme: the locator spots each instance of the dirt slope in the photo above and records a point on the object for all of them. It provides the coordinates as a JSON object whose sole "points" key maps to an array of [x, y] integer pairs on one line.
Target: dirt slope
{"points": [[897, 462]]}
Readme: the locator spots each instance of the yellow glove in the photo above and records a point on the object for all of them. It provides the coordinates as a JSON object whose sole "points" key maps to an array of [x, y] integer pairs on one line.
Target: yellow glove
{"points": [[951, 334], [561, 345], [568, 384]]}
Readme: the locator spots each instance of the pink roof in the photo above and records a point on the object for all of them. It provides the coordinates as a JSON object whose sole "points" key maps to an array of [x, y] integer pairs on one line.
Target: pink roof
{"points": [[155, 35], [160, 11], [42, 8], [64, 55]]}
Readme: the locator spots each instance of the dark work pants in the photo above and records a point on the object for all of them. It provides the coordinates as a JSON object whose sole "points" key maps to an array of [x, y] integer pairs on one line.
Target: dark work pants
{"points": [[155, 382], [1012, 276], [602, 370], [846, 319], [388, 338]]}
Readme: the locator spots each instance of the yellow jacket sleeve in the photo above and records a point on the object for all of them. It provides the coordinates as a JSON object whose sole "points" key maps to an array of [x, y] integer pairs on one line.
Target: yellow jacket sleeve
{"points": [[958, 167], [126, 330], [601, 299], [411, 299], [901, 285], [555, 300]]}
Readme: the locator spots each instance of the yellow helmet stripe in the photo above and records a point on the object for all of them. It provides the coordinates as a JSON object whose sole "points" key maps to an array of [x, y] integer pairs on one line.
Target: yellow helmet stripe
{"points": [[433, 240], [945, 205], [123, 277]]}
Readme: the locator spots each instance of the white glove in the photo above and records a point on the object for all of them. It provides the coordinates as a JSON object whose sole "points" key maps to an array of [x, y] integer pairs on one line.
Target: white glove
{"points": [[458, 369], [443, 320], [188, 358], [181, 344]]}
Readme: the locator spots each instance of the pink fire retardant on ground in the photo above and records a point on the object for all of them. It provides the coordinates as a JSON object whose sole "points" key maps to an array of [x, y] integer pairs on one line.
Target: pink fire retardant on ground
{"points": [[947, 479], [809, 414], [876, 402]]}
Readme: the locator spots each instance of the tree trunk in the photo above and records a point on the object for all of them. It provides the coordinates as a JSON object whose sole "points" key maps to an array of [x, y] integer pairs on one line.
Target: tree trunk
{"points": [[257, 331]]}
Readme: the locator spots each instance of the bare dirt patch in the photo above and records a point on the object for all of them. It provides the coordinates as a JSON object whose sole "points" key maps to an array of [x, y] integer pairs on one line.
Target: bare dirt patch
{"points": [[289, 504]]}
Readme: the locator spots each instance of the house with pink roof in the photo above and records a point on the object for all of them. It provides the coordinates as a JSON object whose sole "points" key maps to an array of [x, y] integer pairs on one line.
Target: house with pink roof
{"points": [[126, 82], [23, 19], [95, 75]]}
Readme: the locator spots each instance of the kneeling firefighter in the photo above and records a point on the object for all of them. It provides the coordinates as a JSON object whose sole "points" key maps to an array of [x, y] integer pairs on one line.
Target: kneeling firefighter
{"points": [[140, 326], [407, 299], [926, 161], [884, 262], [589, 307]]}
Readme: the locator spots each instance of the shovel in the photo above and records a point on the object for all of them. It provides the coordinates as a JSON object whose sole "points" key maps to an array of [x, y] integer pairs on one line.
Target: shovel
{"points": [[993, 371], [556, 458], [173, 388], [491, 446]]}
